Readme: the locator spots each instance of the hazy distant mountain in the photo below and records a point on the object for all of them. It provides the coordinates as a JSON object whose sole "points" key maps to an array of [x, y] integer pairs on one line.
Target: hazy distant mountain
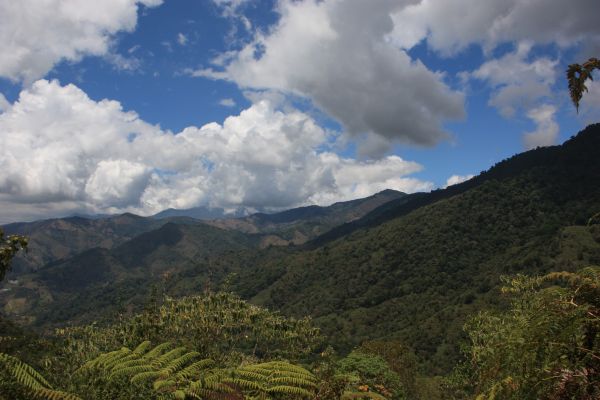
{"points": [[60, 238], [82, 257], [299, 225], [57, 239], [202, 213]]}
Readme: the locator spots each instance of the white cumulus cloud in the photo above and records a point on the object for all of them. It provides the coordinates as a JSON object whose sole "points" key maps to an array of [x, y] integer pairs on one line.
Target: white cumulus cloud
{"points": [[547, 128], [336, 53], [517, 81], [62, 152], [36, 35], [456, 179], [451, 26]]}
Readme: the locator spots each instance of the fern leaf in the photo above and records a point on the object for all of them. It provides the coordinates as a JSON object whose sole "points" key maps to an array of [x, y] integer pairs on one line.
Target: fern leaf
{"points": [[194, 369], [142, 347], [23, 373], [49, 394], [290, 390], [128, 371], [157, 351], [168, 357], [145, 376], [178, 363]]}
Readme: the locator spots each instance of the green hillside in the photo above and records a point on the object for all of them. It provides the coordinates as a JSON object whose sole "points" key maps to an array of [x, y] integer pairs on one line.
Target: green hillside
{"points": [[417, 275], [299, 225], [55, 239], [99, 282]]}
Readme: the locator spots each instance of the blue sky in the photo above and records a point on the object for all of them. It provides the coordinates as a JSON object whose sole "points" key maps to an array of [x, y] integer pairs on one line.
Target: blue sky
{"points": [[144, 105]]}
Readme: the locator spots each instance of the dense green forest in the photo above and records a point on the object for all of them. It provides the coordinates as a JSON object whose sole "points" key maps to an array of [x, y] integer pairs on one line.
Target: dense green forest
{"points": [[217, 346]]}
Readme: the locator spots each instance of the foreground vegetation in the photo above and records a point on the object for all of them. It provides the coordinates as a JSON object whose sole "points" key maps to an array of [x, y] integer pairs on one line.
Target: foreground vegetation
{"points": [[216, 346]]}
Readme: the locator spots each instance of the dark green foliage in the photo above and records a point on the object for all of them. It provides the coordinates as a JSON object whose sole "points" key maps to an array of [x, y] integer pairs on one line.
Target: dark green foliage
{"points": [[547, 346], [371, 372], [217, 325], [273, 380], [19, 380], [9, 247], [400, 359], [332, 384], [418, 276]]}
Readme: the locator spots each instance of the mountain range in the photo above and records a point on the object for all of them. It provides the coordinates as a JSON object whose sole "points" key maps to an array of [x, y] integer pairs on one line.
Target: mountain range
{"points": [[409, 267]]}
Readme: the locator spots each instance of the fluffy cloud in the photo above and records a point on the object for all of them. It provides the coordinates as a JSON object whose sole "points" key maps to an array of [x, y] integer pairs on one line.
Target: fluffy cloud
{"points": [[35, 36], [4, 104], [518, 82], [546, 131], [492, 22], [62, 152], [337, 54], [456, 179], [521, 84]]}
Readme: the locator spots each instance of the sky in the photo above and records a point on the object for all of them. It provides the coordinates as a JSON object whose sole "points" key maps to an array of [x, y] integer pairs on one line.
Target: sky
{"points": [[142, 105]]}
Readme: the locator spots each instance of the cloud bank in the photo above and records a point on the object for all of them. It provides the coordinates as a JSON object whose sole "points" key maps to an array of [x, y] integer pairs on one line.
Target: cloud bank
{"points": [[337, 54], [63, 152], [451, 26]]}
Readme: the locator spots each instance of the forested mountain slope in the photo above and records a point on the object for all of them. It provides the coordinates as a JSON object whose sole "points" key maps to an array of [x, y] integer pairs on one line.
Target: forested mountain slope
{"points": [[299, 225], [99, 281], [92, 267], [60, 238], [419, 272]]}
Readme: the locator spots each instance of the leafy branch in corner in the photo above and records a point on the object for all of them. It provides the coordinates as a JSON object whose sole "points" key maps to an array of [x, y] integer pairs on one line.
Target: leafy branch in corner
{"points": [[577, 75]]}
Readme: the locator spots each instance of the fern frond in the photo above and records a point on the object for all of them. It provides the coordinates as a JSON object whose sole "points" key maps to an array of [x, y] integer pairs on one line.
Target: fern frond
{"points": [[292, 381], [161, 384], [169, 356], [289, 390], [145, 376], [31, 380], [194, 369], [142, 347], [107, 359], [158, 350], [247, 384], [251, 375], [49, 394], [23, 373], [213, 388], [128, 371], [178, 363]]}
